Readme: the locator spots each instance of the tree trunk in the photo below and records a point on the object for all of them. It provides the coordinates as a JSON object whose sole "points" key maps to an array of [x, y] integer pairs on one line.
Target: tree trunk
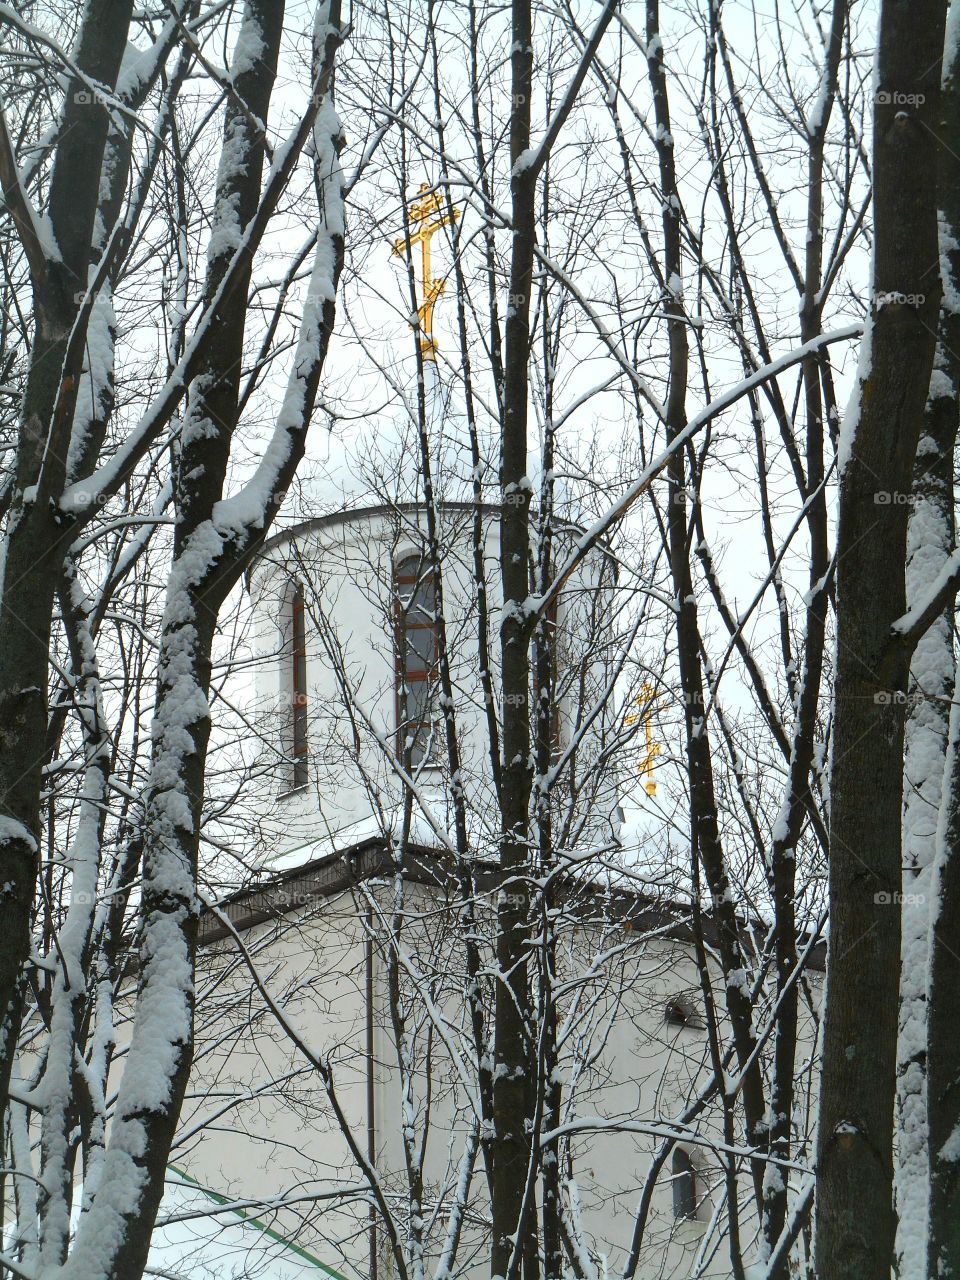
{"points": [[214, 539], [513, 1093], [38, 538], [705, 841], [854, 1211], [943, 967], [931, 537]]}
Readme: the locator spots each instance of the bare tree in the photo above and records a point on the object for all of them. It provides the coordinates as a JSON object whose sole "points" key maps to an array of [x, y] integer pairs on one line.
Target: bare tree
{"points": [[86, 205]]}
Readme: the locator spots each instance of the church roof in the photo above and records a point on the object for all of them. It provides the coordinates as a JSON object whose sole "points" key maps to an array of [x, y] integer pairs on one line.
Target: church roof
{"points": [[317, 870], [333, 518]]}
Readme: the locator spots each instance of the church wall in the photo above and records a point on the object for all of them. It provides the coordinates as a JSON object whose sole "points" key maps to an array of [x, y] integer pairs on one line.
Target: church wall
{"points": [[283, 1140], [353, 789], [347, 570], [622, 1063]]}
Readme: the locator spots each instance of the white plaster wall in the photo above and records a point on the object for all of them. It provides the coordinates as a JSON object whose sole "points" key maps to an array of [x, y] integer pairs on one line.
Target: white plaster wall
{"points": [[346, 565], [644, 1072]]}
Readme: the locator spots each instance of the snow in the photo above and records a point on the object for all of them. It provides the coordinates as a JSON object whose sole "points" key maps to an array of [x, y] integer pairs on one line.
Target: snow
{"points": [[138, 64], [950, 1150], [931, 678], [202, 1234], [249, 47], [818, 112], [95, 379], [781, 828], [524, 161], [247, 509], [851, 419], [949, 571], [951, 44], [228, 1246], [12, 831], [225, 229]]}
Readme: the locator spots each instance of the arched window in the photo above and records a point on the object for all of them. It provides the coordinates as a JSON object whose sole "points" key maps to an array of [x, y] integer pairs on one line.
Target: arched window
{"points": [[416, 658], [684, 1185], [298, 686], [680, 1011]]}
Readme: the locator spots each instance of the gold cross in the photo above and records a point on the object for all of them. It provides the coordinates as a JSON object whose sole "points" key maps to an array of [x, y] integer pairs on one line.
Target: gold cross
{"points": [[423, 231], [647, 698]]}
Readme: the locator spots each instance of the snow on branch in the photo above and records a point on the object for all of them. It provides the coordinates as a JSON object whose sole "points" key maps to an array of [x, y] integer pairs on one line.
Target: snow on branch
{"points": [[38, 247], [920, 616], [248, 509], [533, 159], [86, 495]]}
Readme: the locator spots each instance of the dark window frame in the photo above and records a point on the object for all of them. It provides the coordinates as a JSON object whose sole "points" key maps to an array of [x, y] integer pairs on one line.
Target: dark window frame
{"points": [[298, 687], [411, 579], [684, 1185]]}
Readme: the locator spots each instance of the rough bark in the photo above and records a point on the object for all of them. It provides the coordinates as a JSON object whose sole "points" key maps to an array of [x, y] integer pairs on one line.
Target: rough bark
{"points": [[513, 1097], [37, 537], [854, 1211]]}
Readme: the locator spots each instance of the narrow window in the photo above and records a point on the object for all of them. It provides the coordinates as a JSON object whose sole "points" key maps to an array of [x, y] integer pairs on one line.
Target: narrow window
{"points": [[684, 1185], [298, 687], [416, 658], [551, 638], [556, 732]]}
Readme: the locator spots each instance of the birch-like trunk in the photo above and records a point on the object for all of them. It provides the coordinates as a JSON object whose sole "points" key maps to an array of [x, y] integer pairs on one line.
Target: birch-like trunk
{"points": [[931, 537], [942, 959]]}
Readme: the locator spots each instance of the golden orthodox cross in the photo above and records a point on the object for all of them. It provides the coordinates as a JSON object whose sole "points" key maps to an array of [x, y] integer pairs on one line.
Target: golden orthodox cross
{"points": [[428, 205], [645, 769]]}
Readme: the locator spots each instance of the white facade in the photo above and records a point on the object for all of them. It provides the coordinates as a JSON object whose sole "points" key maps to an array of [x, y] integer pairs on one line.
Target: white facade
{"points": [[361, 880], [346, 564], [628, 1070]]}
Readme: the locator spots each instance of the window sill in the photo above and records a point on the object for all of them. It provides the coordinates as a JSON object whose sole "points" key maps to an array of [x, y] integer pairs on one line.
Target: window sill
{"points": [[294, 791]]}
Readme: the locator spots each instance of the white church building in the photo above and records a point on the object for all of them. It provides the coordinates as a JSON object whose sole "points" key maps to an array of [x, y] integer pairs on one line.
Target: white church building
{"points": [[336, 1078]]}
